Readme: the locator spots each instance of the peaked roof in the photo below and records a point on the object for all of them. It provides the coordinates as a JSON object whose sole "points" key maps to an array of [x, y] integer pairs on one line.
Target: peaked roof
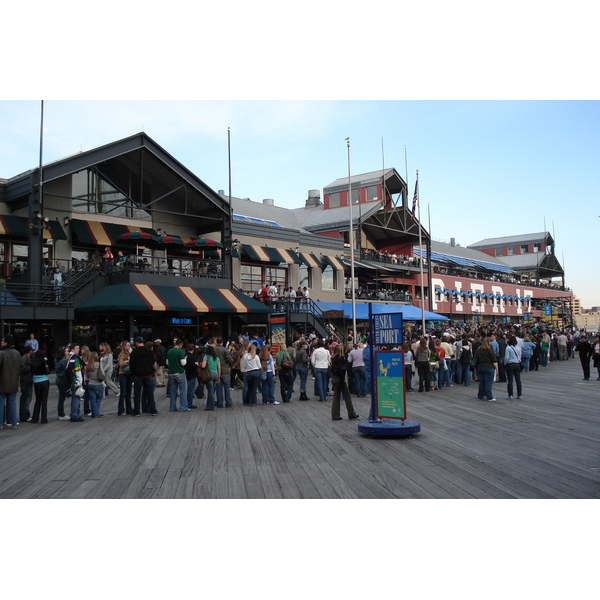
{"points": [[393, 181], [317, 217], [528, 238]]}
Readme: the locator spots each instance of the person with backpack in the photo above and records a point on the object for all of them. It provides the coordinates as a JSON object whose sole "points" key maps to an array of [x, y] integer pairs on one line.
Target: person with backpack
{"points": [[285, 374], [339, 368]]}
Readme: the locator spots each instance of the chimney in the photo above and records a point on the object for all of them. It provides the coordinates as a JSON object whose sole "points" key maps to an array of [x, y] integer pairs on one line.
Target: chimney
{"points": [[269, 201], [314, 198], [221, 192], [453, 242]]}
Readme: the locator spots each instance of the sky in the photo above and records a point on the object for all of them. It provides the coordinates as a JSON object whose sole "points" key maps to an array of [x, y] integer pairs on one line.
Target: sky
{"points": [[486, 168]]}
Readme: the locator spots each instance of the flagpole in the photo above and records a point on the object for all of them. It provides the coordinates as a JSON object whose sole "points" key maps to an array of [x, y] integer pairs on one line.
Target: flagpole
{"points": [[421, 255], [351, 239]]}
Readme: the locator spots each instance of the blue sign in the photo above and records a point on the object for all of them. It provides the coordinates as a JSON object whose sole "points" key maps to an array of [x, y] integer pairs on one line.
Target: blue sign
{"points": [[547, 310], [388, 329], [181, 321]]}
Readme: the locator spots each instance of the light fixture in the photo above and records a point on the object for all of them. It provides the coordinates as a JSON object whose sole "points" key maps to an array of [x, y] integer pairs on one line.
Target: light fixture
{"points": [[66, 221]]}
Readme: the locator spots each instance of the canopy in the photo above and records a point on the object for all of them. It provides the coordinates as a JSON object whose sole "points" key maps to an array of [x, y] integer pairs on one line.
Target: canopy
{"points": [[408, 311]]}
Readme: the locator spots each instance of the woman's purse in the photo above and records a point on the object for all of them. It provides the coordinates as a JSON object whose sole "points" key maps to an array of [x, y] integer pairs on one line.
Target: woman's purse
{"points": [[206, 374]]}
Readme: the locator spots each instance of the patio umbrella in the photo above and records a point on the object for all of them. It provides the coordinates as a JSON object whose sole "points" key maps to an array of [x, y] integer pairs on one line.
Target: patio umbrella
{"points": [[203, 243]]}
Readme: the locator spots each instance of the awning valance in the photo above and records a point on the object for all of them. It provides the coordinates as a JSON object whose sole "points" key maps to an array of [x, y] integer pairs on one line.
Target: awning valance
{"points": [[96, 233], [266, 254], [18, 227], [310, 260], [334, 262], [138, 297]]}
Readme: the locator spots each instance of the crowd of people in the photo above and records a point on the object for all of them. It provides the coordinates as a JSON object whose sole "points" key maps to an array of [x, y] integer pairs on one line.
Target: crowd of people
{"points": [[211, 369]]}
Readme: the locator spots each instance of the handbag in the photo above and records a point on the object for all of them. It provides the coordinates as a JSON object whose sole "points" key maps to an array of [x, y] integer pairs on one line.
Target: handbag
{"points": [[206, 374], [286, 364]]}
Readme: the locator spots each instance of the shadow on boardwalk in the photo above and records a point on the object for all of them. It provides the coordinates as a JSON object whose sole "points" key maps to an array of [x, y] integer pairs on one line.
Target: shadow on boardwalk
{"points": [[544, 446]]}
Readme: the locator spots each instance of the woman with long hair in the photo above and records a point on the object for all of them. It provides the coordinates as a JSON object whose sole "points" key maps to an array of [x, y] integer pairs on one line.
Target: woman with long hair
{"points": [[252, 368], [268, 366], [409, 360], [95, 383], [339, 368], [41, 386], [211, 359], [487, 369], [125, 381], [545, 342], [106, 358], [302, 362]]}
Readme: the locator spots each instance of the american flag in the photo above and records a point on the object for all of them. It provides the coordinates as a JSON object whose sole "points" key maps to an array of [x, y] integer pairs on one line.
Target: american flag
{"points": [[414, 206]]}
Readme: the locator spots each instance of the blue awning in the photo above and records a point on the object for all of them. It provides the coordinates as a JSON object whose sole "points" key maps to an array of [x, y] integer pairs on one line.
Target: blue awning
{"points": [[408, 311]]}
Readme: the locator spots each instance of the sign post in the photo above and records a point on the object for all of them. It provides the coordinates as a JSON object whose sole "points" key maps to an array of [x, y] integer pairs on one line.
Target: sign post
{"points": [[388, 388]]}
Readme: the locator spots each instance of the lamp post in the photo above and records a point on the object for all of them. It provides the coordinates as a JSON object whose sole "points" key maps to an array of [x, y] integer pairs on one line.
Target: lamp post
{"points": [[351, 239]]}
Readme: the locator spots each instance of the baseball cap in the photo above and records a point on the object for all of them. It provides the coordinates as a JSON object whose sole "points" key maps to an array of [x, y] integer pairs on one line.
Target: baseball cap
{"points": [[158, 341], [139, 340]]}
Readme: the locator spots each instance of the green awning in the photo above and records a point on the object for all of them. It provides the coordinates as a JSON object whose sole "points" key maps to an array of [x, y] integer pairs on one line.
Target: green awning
{"points": [[18, 227], [138, 297]]}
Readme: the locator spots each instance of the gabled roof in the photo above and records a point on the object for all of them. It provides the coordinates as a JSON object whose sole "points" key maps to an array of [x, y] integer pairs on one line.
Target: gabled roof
{"points": [[394, 183], [317, 217], [526, 238], [283, 217], [530, 260]]}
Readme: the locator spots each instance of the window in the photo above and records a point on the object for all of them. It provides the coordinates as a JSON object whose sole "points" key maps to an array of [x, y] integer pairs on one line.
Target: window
{"points": [[511, 251], [277, 275], [305, 278], [524, 249], [498, 251], [372, 193], [328, 280], [355, 196], [251, 278], [334, 200], [537, 247]]}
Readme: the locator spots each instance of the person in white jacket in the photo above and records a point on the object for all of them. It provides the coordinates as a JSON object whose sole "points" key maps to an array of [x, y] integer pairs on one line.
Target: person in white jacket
{"points": [[321, 360]]}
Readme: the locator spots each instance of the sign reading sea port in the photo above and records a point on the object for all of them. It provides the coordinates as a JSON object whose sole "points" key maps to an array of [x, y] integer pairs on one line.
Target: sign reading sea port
{"points": [[388, 329], [391, 396]]}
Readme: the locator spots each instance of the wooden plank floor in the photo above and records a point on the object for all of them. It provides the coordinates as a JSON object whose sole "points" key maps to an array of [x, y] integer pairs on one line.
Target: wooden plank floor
{"points": [[545, 446]]}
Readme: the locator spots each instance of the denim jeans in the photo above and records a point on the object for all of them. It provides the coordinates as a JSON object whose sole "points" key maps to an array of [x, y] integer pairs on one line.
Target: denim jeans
{"points": [[147, 385], [544, 357], [25, 401], [303, 372], [360, 381], [486, 379], [268, 388], [407, 377], [125, 394], [177, 381], [465, 373], [443, 375], [191, 389], [224, 385], [286, 383], [10, 401], [96, 394], [251, 379], [321, 384], [75, 404], [525, 362], [210, 392]]}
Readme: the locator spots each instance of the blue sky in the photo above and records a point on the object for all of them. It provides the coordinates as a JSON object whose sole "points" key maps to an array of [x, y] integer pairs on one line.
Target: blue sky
{"points": [[486, 168]]}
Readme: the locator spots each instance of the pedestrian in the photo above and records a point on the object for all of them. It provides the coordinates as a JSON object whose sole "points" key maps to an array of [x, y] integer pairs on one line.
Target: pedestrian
{"points": [[210, 361], [526, 352], [161, 362], [32, 343], [487, 370], [125, 381], [285, 373], [60, 363], [108, 260], [302, 362], [26, 385], [585, 353], [141, 363], [268, 379], [223, 387], [106, 358], [95, 386], [41, 385], [321, 360], [57, 282], [423, 356], [357, 363], [513, 364], [339, 368], [74, 378], [176, 360], [10, 367], [409, 363]]}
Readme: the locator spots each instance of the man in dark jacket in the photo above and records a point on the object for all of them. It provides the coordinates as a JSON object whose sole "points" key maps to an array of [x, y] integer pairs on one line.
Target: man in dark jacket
{"points": [[161, 360], [142, 366], [223, 386], [10, 370], [585, 353]]}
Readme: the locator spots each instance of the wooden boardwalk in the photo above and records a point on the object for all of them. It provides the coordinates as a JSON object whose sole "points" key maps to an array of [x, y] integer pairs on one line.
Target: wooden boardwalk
{"points": [[545, 446]]}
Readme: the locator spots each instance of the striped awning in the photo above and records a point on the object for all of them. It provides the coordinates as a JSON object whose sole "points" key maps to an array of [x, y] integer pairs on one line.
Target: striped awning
{"points": [[310, 260], [18, 227], [96, 233], [333, 261], [266, 254], [141, 298]]}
